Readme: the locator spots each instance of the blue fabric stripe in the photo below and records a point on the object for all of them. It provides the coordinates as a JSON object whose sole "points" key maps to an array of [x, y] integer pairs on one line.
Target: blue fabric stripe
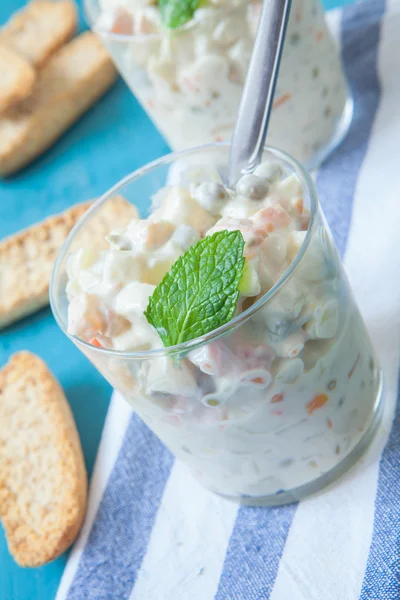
{"points": [[260, 534], [118, 540], [382, 575], [337, 178], [255, 549]]}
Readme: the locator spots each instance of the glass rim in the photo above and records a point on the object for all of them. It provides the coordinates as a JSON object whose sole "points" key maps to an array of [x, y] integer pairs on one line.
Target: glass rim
{"points": [[124, 37], [307, 183]]}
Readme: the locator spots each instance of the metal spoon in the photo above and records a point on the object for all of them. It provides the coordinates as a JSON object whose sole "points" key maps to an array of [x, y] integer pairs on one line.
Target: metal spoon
{"points": [[258, 92]]}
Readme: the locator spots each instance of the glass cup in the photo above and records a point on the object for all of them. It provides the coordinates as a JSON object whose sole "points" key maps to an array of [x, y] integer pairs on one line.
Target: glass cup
{"points": [[276, 403], [190, 80]]}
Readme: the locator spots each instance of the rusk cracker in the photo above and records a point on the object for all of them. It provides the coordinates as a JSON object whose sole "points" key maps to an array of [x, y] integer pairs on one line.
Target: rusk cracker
{"points": [[115, 214], [69, 83], [27, 258], [26, 261], [17, 78], [39, 29], [43, 483]]}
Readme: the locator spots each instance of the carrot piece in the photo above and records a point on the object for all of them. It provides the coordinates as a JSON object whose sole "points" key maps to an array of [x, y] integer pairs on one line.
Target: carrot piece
{"points": [[276, 398], [300, 205], [123, 23], [281, 100], [317, 402], [95, 342]]}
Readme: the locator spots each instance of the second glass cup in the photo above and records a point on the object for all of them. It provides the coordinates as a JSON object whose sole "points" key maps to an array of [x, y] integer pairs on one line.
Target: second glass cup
{"points": [[274, 404], [190, 79]]}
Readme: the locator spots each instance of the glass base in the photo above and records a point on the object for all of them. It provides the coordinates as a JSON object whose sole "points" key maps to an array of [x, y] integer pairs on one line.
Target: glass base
{"points": [[338, 136], [328, 478]]}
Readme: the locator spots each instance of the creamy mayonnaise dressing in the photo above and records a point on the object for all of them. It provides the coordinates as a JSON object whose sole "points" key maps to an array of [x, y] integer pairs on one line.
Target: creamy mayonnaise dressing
{"points": [[283, 397], [190, 81]]}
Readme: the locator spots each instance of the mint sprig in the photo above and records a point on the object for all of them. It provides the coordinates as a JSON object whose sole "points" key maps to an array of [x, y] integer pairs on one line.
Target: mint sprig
{"points": [[201, 290], [175, 13]]}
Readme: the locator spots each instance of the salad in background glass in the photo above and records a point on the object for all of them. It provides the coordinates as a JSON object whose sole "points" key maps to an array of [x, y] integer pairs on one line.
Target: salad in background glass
{"points": [[226, 320], [186, 62]]}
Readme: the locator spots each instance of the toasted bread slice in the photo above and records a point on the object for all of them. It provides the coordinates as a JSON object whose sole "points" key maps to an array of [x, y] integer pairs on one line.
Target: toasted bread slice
{"points": [[16, 78], [27, 257], [43, 483], [39, 29], [69, 83], [115, 214], [26, 261]]}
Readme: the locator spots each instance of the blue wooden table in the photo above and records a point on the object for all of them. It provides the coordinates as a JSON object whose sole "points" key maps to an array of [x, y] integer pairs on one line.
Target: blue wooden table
{"points": [[111, 140]]}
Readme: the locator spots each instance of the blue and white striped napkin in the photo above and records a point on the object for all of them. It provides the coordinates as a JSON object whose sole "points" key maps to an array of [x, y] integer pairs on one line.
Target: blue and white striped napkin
{"points": [[152, 533]]}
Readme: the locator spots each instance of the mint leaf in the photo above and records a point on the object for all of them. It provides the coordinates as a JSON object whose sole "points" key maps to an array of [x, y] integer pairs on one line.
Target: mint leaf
{"points": [[175, 13], [200, 291]]}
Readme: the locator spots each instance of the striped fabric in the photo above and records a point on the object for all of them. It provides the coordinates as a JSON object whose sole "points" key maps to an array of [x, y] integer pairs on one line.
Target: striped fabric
{"points": [[152, 533]]}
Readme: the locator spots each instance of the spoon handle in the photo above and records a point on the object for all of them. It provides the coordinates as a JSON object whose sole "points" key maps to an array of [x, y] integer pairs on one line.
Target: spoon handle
{"points": [[258, 92]]}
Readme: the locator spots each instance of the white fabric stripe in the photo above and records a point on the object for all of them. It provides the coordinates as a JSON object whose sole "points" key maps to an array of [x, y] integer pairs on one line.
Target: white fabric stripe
{"points": [[115, 426], [188, 543], [327, 547]]}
